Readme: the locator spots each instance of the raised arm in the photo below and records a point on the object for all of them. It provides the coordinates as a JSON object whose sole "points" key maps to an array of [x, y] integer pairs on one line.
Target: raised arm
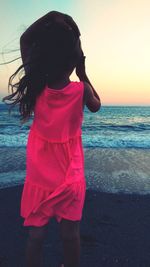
{"points": [[92, 99]]}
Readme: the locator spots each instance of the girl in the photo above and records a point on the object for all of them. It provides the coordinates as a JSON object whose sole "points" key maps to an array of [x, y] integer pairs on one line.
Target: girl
{"points": [[55, 183]]}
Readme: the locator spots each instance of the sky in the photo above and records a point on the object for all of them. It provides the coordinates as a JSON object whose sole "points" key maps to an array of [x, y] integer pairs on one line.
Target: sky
{"points": [[115, 37]]}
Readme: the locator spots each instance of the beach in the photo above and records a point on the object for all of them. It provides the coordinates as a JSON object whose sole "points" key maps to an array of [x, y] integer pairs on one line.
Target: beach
{"points": [[115, 224], [114, 231], [114, 228]]}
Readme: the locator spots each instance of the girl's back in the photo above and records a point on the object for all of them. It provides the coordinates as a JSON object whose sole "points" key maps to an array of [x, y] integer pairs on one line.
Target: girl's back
{"points": [[58, 112], [55, 182]]}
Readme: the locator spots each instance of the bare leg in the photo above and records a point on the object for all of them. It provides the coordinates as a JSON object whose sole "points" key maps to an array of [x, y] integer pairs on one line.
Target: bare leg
{"points": [[70, 233], [35, 245]]}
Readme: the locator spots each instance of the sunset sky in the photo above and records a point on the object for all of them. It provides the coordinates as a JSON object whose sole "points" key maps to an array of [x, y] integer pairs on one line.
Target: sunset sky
{"points": [[115, 36]]}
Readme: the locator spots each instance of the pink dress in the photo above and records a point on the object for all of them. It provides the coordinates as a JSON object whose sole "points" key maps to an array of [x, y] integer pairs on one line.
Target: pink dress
{"points": [[55, 184]]}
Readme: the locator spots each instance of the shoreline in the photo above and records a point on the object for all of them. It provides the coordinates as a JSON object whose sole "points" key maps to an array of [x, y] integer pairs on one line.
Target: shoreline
{"points": [[114, 231], [106, 169]]}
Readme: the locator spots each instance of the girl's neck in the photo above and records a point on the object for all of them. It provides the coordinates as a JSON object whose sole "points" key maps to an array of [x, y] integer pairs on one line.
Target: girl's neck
{"points": [[60, 83]]}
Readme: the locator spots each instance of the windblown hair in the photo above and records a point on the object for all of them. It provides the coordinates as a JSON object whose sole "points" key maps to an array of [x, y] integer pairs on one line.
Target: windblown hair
{"points": [[52, 54]]}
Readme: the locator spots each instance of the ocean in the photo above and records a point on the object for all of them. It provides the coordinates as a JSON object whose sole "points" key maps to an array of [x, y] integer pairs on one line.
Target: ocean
{"points": [[123, 131], [111, 126]]}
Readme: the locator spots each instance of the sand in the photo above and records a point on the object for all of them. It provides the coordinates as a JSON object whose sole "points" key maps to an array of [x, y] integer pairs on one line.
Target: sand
{"points": [[106, 169], [114, 231]]}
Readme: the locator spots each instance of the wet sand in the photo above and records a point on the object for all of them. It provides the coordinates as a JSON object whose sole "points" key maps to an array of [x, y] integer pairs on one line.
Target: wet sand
{"points": [[106, 169], [114, 231]]}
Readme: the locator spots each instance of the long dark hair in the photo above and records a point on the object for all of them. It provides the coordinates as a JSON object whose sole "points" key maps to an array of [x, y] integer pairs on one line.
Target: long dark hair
{"points": [[52, 54]]}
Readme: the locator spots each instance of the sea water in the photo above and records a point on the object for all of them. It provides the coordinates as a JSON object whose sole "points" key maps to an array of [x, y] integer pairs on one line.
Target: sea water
{"points": [[112, 128]]}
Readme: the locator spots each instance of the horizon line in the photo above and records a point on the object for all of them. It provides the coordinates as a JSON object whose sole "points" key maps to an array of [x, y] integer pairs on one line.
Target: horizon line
{"points": [[102, 105]]}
